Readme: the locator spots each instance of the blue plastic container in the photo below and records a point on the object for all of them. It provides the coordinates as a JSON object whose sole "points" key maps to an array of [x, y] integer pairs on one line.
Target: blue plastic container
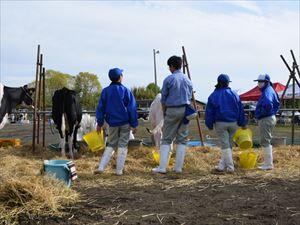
{"points": [[59, 169], [195, 143]]}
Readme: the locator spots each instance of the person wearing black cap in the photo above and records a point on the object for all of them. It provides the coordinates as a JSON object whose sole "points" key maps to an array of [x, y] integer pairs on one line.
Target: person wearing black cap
{"points": [[176, 95], [266, 109], [225, 112], [117, 106]]}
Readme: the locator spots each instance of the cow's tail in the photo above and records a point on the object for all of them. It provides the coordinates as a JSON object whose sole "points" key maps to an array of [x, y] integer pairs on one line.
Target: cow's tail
{"points": [[157, 128], [149, 131]]}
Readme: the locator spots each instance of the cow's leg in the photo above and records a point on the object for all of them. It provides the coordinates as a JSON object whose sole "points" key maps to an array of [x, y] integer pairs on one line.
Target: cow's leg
{"points": [[75, 138], [63, 146], [157, 138], [70, 143], [62, 143], [4, 108], [4, 121], [63, 134]]}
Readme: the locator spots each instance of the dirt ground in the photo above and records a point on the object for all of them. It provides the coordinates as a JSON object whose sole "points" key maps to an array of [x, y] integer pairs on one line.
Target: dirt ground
{"points": [[195, 197], [253, 202]]}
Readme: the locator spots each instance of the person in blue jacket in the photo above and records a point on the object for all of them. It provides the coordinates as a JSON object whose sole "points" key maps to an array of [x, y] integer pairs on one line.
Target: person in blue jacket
{"points": [[266, 109], [225, 112], [117, 106]]}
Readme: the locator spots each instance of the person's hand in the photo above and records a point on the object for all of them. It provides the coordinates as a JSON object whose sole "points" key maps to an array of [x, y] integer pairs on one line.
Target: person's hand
{"points": [[210, 128], [99, 129], [134, 130]]}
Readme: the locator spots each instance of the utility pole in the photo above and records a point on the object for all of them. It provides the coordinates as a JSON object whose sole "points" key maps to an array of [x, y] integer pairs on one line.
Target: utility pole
{"points": [[154, 57]]}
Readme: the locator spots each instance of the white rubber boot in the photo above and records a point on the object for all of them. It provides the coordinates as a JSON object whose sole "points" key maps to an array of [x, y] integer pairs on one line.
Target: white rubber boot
{"points": [[228, 160], [108, 152], [180, 154], [221, 166], [163, 159], [268, 159], [122, 153]]}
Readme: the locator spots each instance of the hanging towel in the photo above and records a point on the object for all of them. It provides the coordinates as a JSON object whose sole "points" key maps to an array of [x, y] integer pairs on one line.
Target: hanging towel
{"points": [[73, 174]]}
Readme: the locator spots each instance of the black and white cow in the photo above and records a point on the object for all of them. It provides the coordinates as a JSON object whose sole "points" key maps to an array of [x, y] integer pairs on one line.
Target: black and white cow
{"points": [[67, 115], [11, 97]]}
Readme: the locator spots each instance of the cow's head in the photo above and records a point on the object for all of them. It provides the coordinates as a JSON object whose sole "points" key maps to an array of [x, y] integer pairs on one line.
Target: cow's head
{"points": [[28, 93]]}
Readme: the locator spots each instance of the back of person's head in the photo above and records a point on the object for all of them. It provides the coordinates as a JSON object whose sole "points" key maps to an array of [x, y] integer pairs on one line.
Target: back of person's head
{"points": [[223, 81], [115, 74], [175, 61]]}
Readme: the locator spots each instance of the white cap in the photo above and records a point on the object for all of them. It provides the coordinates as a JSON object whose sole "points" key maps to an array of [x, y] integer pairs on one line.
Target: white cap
{"points": [[263, 77]]}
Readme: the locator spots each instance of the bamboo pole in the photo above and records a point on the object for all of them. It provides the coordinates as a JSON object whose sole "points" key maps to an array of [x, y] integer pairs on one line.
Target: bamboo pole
{"points": [[35, 98], [296, 65], [39, 99], [294, 78], [293, 112], [193, 96], [290, 77], [44, 107], [183, 64]]}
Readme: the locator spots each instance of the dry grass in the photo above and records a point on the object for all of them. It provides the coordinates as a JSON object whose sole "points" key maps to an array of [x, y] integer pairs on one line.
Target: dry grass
{"points": [[24, 190], [198, 165]]}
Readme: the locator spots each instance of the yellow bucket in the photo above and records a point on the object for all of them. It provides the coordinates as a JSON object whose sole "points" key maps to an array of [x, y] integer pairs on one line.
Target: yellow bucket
{"points": [[243, 138], [248, 159], [94, 140], [155, 155]]}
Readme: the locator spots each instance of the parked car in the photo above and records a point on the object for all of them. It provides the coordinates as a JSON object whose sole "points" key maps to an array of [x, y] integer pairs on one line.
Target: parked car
{"points": [[250, 110], [143, 113]]}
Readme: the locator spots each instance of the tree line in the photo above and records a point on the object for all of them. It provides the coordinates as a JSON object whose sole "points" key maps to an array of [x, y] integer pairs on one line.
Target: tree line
{"points": [[88, 87]]}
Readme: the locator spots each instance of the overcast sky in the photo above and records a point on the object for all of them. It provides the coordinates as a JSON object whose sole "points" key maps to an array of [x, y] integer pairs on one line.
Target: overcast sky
{"points": [[240, 38]]}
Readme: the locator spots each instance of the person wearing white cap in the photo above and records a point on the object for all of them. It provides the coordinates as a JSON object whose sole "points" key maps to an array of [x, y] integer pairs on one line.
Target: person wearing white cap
{"points": [[266, 109]]}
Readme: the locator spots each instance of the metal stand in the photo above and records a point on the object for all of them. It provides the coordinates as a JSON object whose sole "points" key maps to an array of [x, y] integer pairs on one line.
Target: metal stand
{"points": [[292, 77]]}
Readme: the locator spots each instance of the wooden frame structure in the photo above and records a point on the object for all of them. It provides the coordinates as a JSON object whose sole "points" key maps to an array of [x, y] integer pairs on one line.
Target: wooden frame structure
{"points": [[186, 69], [292, 76], [39, 96]]}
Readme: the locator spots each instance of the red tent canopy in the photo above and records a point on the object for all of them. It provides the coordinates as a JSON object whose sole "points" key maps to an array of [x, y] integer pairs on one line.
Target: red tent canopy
{"points": [[254, 93]]}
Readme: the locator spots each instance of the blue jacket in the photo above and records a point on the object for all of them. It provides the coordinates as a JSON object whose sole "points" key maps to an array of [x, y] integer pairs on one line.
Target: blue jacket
{"points": [[268, 103], [224, 105], [117, 106]]}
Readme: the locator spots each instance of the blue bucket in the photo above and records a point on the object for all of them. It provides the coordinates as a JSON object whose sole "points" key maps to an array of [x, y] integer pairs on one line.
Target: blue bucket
{"points": [[59, 169], [195, 143]]}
